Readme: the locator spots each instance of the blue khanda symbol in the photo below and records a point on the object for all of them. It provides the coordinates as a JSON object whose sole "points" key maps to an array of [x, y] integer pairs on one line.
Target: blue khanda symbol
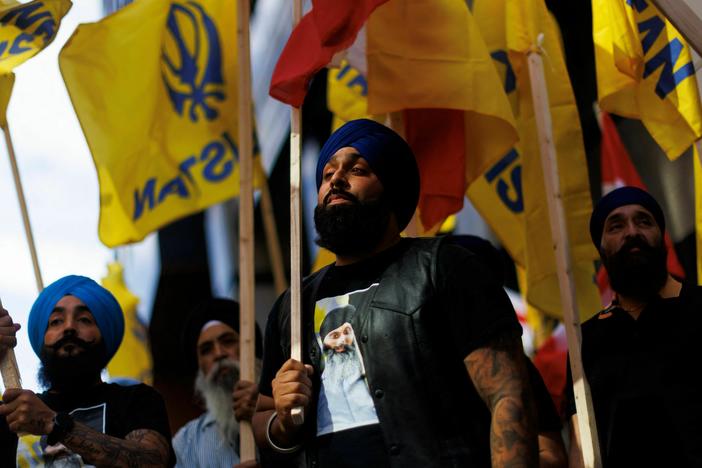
{"points": [[191, 62]]}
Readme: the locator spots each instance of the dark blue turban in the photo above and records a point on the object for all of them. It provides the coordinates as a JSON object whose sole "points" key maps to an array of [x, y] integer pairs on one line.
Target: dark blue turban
{"points": [[101, 303], [621, 197], [388, 155]]}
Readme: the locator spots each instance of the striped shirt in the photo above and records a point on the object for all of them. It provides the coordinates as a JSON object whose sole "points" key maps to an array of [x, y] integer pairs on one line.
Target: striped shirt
{"points": [[200, 444]]}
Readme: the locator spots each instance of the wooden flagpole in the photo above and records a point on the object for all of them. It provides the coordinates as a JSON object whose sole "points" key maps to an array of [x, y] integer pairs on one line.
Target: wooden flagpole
{"points": [[9, 370], [23, 208], [686, 16], [247, 317], [559, 234], [297, 414]]}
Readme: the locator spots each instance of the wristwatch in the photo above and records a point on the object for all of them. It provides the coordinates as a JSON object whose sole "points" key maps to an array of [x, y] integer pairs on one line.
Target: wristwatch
{"points": [[63, 423]]}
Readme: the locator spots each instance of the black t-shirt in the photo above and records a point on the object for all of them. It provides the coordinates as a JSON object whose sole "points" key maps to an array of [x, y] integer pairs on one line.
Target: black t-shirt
{"points": [[471, 316], [644, 380], [111, 409]]}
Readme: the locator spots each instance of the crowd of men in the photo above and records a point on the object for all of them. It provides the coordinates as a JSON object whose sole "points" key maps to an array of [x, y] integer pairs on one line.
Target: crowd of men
{"points": [[412, 352]]}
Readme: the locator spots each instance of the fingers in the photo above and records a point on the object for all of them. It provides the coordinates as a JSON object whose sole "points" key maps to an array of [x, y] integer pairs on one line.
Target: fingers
{"points": [[292, 387], [8, 330]]}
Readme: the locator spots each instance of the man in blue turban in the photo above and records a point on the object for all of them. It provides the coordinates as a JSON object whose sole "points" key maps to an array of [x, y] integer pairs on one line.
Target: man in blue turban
{"points": [[640, 353], [75, 327], [433, 333]]}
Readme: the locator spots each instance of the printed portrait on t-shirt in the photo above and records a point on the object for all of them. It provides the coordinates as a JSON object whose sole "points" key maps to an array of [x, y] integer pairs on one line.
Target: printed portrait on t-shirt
{"points": [[344, 401]]}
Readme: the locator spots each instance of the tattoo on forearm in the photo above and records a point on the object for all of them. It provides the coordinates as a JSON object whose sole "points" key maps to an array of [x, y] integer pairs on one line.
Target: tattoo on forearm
{"points": [[141, 448], [499, 374]]}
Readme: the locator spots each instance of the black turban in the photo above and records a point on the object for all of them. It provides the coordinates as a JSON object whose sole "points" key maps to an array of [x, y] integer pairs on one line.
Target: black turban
{"points": [[621, 197]]}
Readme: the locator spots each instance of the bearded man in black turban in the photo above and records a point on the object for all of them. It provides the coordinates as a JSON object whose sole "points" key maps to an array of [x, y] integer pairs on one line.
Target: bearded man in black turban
{"points": [[641, 353], [438, 376]]}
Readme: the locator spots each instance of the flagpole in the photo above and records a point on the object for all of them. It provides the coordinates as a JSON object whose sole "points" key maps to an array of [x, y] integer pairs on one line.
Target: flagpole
{"points": [[297, 413], [686, 18], [272, 240], [583, 400], [23, 208], [247, 317], [9, 370]]}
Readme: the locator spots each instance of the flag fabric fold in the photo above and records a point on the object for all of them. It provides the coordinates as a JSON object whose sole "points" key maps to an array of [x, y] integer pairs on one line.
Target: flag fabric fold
{"points": [[330, 27], [159, 112], [133, 358], [27, 28], [511, 194], [645, 71], [427, 60]]}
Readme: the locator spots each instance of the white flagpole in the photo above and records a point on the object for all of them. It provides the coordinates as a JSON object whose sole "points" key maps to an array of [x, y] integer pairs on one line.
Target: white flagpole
{"points": [[559, 234], [297, 414]]}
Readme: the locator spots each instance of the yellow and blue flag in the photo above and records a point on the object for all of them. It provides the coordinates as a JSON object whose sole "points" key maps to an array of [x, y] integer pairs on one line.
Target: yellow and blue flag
{"points": [[159, 111], [511, 194], [26, 28], [645, 71]]}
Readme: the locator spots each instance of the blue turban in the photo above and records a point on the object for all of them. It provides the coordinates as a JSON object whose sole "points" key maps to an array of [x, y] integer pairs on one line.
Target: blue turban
{"points": [[621, 197], [101, 303], [388, 155]]}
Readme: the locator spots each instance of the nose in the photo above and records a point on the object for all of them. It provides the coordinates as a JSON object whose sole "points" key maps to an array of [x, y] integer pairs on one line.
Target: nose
{"points": [[219, 352], [631, 229], [338, 179]]}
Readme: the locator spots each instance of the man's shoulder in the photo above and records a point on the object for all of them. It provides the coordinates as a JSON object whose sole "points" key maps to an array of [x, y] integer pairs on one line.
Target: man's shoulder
{"points": [[191, 429]]}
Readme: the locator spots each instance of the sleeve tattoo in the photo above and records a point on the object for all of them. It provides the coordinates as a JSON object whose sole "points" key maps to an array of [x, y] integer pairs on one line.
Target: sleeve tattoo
{"points": [[499, 374], [140, 448]]}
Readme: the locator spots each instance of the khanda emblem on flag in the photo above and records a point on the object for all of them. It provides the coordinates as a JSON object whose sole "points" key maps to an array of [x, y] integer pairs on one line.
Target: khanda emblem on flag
{"points": [[26, 29], [192, 62]]}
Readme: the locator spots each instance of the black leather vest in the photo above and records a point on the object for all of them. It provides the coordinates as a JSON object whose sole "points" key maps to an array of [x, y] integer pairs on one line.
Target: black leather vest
{"points": [[429, 412]]}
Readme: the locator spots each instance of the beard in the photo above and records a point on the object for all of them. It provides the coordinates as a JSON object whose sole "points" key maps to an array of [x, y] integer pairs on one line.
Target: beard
{"points": [[639, 275], [351, 229], [216, 390], [341, 367], [72, 373]]}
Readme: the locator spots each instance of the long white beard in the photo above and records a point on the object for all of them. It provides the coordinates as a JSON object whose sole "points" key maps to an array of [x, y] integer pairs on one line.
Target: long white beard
{"points": [[217, 393]]}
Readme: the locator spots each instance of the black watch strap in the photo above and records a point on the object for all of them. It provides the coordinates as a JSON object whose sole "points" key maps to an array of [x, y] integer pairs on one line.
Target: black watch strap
{"points": [[63, 423]]}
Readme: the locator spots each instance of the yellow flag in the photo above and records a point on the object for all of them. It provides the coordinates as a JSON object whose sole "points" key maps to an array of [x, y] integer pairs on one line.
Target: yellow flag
{"points": [[429, 54], [133, 359], [347, 91], [645, 71], [698, 210], [26, 28], [159, 111], [511, 194]]}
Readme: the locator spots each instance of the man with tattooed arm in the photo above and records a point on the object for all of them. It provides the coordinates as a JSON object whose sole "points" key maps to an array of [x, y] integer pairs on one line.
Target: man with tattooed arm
{"points": [[75, 327], [438, 376]]}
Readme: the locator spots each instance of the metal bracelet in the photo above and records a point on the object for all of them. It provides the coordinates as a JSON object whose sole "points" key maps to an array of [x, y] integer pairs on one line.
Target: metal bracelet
{"points": [[270, 440]]}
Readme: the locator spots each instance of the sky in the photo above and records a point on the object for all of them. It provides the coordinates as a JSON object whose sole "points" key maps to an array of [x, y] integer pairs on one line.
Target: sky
{"points": [[60, 185]]}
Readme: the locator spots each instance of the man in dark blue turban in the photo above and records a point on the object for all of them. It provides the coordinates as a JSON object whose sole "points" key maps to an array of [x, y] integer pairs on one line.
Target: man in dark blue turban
{"points": [[75, 327], [639, 354], [432, 331]]}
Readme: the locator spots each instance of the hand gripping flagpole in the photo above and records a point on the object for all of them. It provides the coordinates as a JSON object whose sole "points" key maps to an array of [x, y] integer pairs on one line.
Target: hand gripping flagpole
{"points": [[297, 414], [559, 234], [247, 317], [9, 370]]}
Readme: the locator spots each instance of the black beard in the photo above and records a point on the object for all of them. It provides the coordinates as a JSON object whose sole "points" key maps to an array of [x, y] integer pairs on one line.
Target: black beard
{"points": [[72, 373], [639, 275], [352, 229]]}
